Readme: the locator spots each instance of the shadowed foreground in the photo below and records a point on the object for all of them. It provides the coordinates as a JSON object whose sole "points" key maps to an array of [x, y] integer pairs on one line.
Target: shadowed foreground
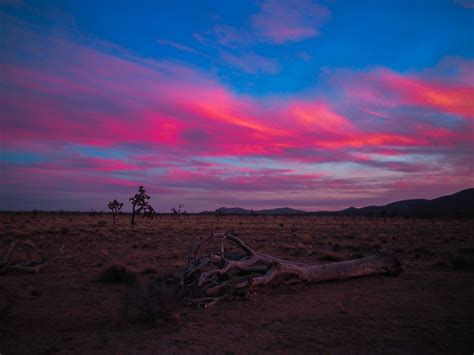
{"points": [[64, 308]]}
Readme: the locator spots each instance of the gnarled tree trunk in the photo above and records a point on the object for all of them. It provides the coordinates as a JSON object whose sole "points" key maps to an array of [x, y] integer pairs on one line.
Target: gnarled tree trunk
{"points": [[230, 272]]}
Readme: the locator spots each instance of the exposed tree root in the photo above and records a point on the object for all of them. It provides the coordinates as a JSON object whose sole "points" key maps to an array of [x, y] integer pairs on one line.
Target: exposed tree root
{"points": [[235, 268], [32, 266]]}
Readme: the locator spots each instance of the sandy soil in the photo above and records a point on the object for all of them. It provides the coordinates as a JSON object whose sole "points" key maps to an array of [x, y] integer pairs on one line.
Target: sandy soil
{"points": [[427, 309]]}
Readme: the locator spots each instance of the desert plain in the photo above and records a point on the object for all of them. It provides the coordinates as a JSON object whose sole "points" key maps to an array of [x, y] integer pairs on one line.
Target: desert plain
{"points": [[65, 308]]}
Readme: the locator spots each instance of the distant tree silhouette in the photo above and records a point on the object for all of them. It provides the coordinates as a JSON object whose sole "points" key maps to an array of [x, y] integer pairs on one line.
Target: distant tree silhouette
{"points": [[115, 207], [140, 205], [177, 212]]}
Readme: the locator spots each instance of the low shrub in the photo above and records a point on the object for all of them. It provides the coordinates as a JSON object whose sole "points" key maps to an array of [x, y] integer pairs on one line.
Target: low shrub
{"points": [[148, 271], [117, 274]]}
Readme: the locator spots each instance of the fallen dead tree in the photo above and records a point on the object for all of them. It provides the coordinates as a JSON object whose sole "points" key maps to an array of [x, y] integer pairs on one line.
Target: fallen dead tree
{"points": [[235, 268], [32, 266]]}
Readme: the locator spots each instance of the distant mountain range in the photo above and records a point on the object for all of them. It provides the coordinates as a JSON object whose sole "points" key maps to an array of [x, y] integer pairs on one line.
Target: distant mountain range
{"points": [[243, 211], [460, 204]]}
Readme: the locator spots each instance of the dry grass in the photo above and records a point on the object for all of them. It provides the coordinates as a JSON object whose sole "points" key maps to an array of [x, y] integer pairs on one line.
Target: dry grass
{"points": [[74, 314], [158, 302]]}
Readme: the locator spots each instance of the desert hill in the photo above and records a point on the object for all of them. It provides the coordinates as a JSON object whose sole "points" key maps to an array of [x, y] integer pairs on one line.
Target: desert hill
{"points": [[460, 204]]}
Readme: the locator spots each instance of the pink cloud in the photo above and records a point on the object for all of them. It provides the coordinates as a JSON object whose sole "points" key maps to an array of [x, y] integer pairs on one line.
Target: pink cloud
{"points": [[91, 164], [282, 21], [174, 125], [453, 99], [217, 184], [277, 22], [385, 88], [177, 107]]}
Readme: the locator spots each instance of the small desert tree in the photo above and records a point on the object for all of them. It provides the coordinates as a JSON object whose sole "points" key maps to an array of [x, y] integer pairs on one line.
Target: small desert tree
{"points": [[177, 212], [115, 207], [140, 205]]}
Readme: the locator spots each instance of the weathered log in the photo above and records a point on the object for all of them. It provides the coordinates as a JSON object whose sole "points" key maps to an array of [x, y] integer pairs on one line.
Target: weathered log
{"points": [[227, 273], [32, 266]]}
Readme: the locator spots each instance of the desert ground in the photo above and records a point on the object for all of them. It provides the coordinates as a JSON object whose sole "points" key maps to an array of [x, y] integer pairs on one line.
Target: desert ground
{"points": [[65, 308]]}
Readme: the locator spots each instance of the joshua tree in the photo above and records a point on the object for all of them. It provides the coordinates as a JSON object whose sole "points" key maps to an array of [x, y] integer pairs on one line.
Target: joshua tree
{"points": [[115, 207], [177, 212], [140, 204]]}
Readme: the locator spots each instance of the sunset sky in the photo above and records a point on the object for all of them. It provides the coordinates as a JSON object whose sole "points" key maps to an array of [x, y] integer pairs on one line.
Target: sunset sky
{"points": [[317, 105]]}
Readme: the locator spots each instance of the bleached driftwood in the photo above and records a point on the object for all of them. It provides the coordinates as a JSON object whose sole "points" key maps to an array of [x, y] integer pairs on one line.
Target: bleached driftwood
{"points": [[236, 268], [33, 266]]}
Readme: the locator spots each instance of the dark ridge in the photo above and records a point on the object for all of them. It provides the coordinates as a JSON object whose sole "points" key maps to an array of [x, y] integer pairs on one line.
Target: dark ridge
{"points": [[243, 211], [460, 204]]}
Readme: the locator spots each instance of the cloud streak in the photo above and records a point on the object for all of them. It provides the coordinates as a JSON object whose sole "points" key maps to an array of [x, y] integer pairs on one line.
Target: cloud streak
{"points": [[281, 21], [251, 63], [387, 88]]}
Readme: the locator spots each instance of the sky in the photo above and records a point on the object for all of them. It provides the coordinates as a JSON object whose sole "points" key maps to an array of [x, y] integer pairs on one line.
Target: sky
{"points": [[316, 105]]}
